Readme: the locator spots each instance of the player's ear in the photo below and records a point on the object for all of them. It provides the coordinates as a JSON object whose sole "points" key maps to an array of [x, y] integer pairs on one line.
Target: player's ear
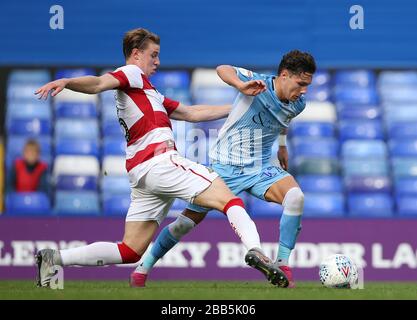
{"points": [[135, 53]]}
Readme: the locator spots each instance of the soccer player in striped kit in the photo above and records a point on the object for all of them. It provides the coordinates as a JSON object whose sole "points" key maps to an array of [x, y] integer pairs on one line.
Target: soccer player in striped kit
{"points": [[241, 155], [157, 173]]}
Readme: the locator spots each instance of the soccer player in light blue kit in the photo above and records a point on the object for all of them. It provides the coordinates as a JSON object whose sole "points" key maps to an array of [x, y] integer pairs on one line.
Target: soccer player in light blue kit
{"points": [[241, 155]]}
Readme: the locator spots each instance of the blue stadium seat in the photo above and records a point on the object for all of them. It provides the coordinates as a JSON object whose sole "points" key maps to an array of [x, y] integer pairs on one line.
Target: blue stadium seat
{"points": [[108, 112], [368, 184], [15, 146], [214, 95], [400, 113], [324, 205], [40, 76], [406, 186], [111, 128], [29, 110], [403, 148], [75, 110], [407, 206], [320, 183], [181, 95], [358, 112], [399, 94], [364, 149], [356, 95], [77, 203], [71, 182], [321, 93], [111, 185], [260, 208], [312, 129], [316, 166], [29, 127], [171, 79], [28, 204], [404, 167], [107, 97], [67, 146], [71, 73], [390, 78], [315, 147], [354, 78], [370, 205], [116, 205], [114, 146], [22, 92], [360, 130], [321, 78], [402, 130], [365, 167], [73, 129]]}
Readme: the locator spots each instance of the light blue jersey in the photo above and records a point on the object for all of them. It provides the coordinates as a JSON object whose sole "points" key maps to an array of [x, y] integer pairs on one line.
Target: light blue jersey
{"points": [[253, 125]]}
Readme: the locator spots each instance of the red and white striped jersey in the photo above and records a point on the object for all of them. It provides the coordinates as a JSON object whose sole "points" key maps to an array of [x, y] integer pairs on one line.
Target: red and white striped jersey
{"points": [[143, 113]]}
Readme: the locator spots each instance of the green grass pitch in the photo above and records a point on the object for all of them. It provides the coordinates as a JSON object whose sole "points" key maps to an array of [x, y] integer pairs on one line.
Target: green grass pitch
{"points": [[204, 290]]}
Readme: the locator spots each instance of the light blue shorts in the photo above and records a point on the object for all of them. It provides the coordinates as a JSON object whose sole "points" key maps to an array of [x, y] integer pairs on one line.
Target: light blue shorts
{"points": [[238, 180]]}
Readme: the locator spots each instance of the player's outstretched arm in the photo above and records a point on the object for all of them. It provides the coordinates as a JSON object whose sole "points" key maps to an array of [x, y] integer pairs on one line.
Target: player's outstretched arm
{"points": [[249, 88], [197, 113], [87, 84]]}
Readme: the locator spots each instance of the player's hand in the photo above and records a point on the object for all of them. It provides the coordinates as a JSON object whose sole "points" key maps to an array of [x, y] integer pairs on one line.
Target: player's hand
{"points": [[252, 88], [283, 157], [55, 86]]}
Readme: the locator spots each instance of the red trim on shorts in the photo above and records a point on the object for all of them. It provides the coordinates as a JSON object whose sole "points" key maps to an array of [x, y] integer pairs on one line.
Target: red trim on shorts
{"points": [[200, 176], [233, 202], [128, 255], [176, 164]]}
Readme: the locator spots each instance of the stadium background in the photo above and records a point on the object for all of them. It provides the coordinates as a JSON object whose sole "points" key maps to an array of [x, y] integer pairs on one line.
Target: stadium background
{"points": [[353, 150]]}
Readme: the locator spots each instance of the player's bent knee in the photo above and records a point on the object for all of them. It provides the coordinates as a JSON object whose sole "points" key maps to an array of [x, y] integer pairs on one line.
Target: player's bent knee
{"points": [[293, 202]]}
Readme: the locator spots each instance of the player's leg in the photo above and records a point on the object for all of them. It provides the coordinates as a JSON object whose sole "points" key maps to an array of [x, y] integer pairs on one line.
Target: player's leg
{"points": [[276, 185], [145, 213], [137, 237], [218, 196], [288, 193], [168, 238]]}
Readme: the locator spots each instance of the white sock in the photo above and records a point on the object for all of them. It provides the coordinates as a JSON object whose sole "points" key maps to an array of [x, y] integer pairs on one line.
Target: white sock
{"points": [[244, 227], [95, 254]]}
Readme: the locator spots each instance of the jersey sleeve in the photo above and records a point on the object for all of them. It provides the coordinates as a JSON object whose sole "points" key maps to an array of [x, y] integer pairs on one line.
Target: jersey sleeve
{"points": [[129, 76], [170, 105], [244, 74]]}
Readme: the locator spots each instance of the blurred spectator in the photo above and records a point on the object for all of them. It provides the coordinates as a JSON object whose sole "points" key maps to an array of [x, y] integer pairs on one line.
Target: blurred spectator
{"points": [[29, 173]]}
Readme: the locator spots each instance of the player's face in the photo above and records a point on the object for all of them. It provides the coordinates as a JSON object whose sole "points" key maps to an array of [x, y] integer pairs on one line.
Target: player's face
{"points": [[149, 59], [294, 85]]}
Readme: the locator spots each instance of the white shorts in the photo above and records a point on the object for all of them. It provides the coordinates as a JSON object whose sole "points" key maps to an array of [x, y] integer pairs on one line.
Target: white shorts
{"points": [[171, 178]]}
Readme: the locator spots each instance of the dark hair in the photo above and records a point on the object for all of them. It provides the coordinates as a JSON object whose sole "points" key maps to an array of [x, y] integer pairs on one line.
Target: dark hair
{"points": [[139, 39], [297, 62]]}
